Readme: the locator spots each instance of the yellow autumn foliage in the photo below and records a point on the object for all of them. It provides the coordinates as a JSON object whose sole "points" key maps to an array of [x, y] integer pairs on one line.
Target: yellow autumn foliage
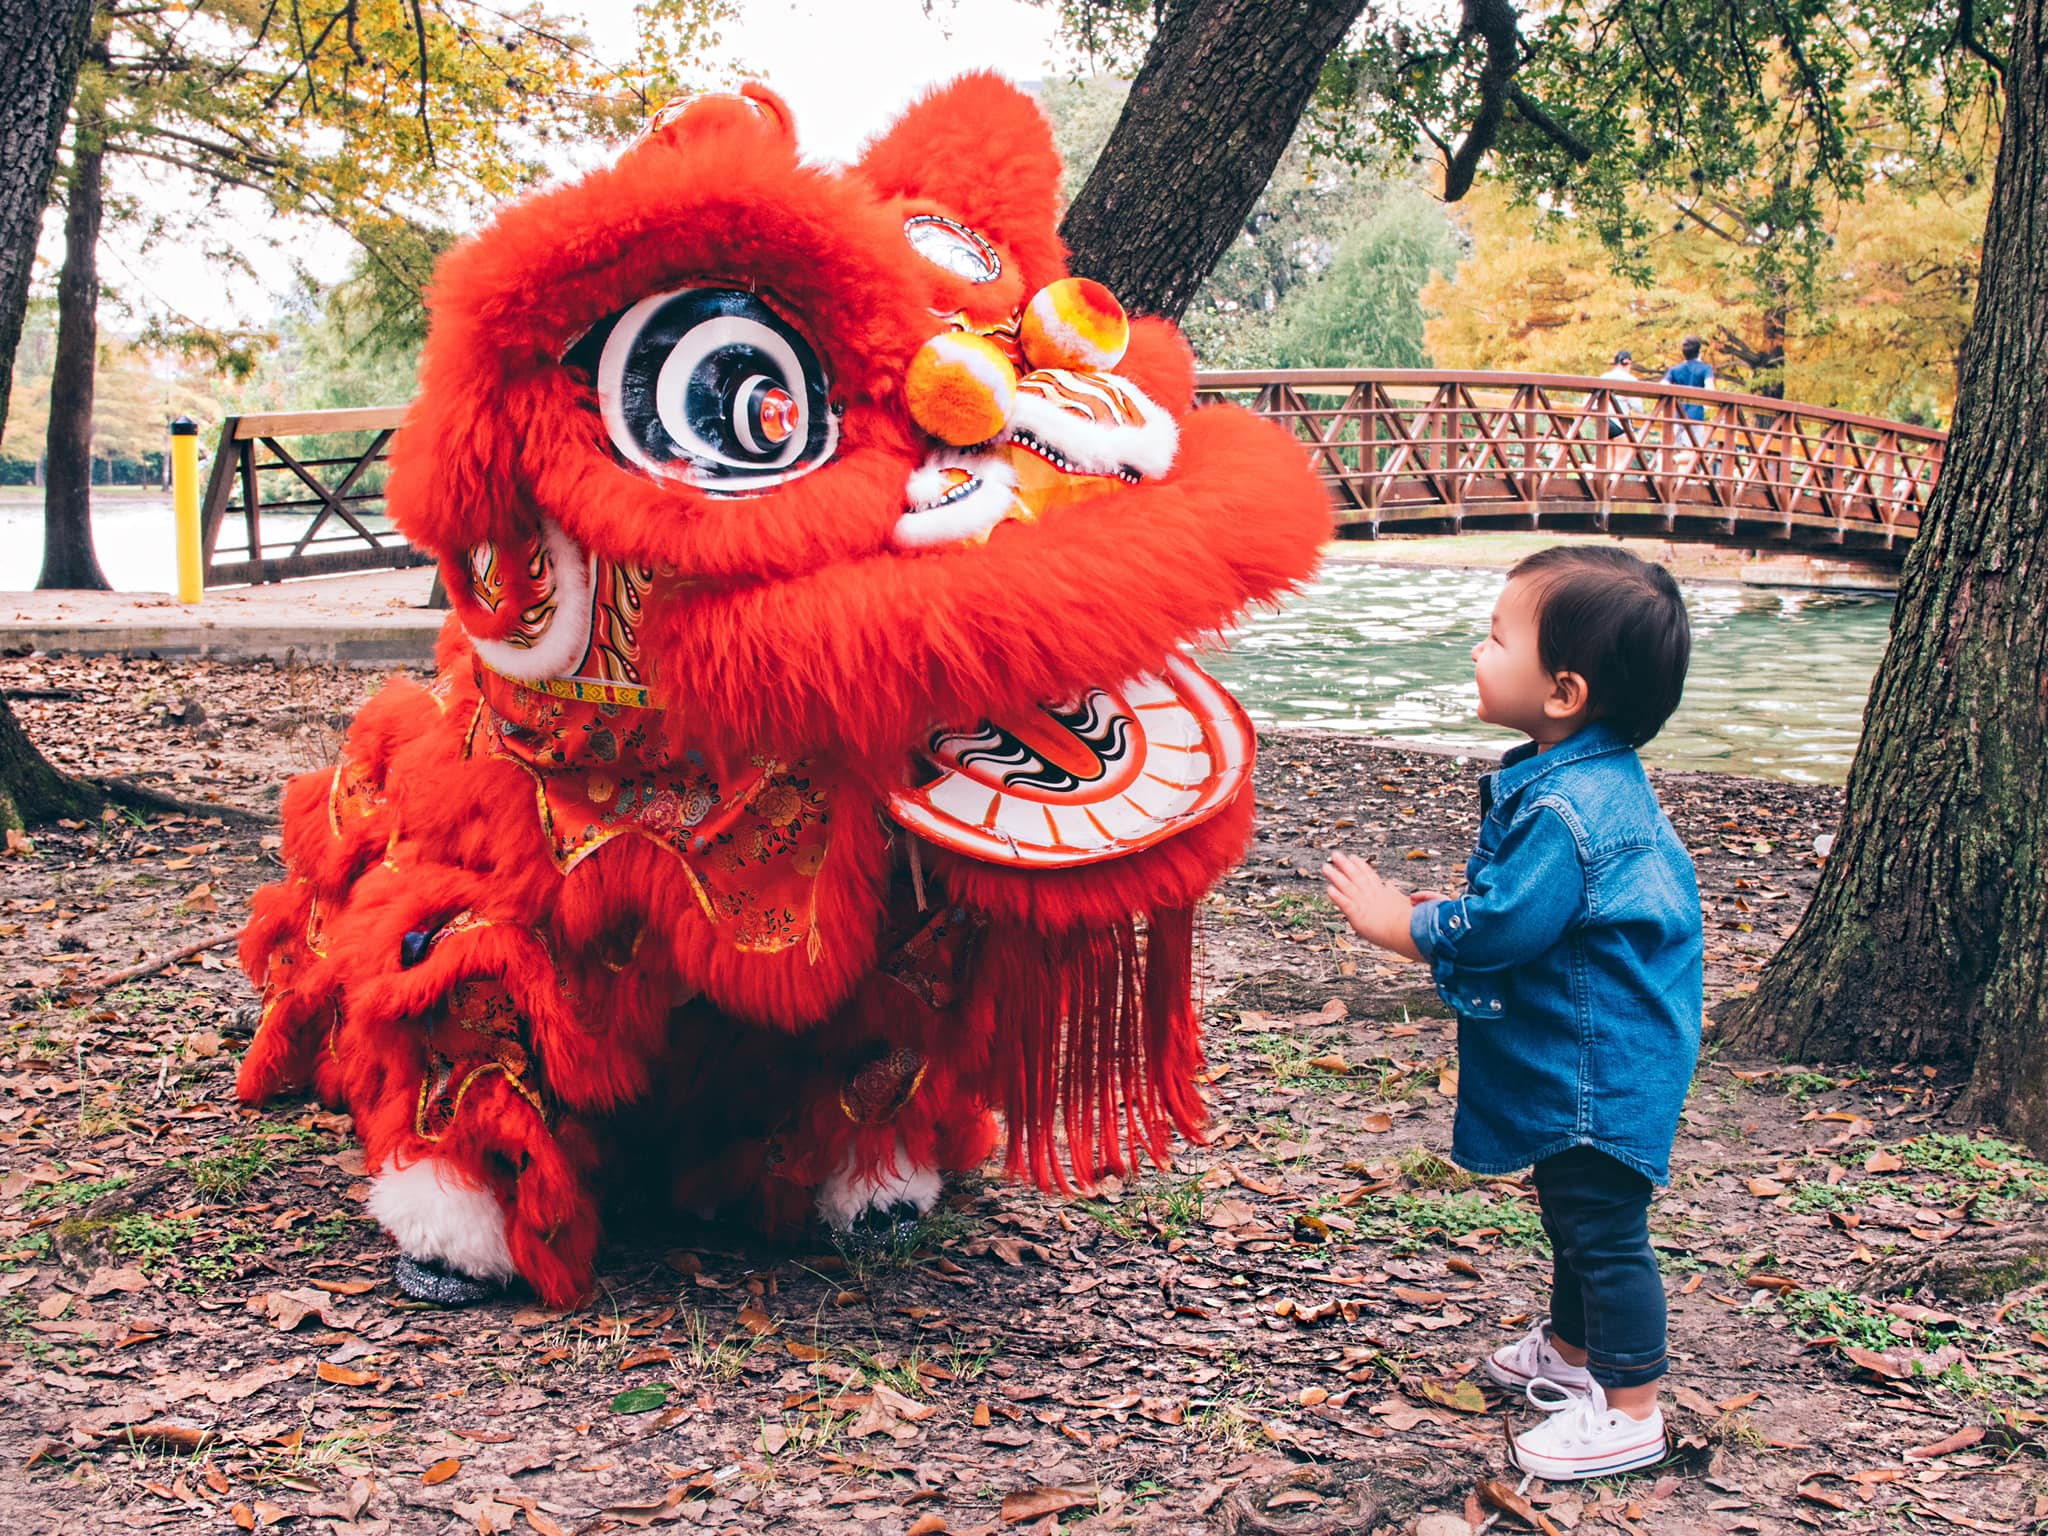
{"points": [[1894, 300]]}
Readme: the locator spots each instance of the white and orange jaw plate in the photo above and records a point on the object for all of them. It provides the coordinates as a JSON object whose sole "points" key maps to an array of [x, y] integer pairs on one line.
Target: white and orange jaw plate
{"points": [[1093, 778]]}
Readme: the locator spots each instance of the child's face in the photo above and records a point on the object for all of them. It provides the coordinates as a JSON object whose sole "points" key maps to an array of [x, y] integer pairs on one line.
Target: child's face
{"points": [[1514, 689]]}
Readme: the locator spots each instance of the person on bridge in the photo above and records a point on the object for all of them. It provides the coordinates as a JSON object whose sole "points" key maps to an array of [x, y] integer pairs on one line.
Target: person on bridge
{"points": [[1620, 407], [1693, 372], [1622, 372], [1574, 962]]}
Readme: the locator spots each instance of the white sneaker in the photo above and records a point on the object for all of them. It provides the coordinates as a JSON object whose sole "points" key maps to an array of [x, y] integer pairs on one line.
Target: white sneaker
{"points": [[1533, 1356], [1583, 1437]]}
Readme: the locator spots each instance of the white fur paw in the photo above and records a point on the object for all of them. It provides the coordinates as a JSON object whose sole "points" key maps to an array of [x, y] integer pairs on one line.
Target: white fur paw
{"points": [[436, 1214], [848, 1195]]}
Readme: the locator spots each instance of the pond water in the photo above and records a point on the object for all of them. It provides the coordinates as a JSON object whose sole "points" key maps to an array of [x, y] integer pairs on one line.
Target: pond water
{"points": [[1777, 683]]}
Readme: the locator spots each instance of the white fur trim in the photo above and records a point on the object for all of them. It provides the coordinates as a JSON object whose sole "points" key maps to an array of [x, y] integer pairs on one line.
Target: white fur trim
{"points": [[970, 516], [1091, 447], [435, 1214], [558, 648], [843, 1197]]}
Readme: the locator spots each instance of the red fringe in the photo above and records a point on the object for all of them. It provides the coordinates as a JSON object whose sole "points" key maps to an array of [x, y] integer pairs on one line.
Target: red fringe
{"points": [[1098, 1042]]}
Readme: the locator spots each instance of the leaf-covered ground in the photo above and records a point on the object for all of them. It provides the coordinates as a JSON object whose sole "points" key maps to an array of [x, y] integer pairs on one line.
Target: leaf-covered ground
{"points": [[198, 1329]]}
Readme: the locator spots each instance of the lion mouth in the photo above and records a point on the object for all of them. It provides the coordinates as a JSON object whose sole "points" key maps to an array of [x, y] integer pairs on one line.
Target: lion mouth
{"points": [[954, 498], [1071, 438]]}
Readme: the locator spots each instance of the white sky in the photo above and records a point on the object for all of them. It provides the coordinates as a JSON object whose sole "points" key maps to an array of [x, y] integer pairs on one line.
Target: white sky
{"points": [[846, 67]]}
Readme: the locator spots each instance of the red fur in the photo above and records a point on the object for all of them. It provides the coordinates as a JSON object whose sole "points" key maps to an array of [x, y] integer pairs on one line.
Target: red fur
{"points": [[630, 1031]]}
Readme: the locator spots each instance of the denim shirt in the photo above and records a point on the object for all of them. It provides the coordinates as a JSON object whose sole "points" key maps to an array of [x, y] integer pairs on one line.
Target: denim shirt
{"points": [[1574, 962]]}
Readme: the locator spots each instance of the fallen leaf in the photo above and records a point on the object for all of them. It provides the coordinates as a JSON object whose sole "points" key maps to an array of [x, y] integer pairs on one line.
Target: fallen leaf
{"points": [[641, 1399], [1498, 1495], [342, 1376], [441, 1471], [1961, 1440], [106, 1281], [927, 1525], [1882, 1161], [1871, 1360], [1764, 1188], [1461, 1396], [1035, 1503]]}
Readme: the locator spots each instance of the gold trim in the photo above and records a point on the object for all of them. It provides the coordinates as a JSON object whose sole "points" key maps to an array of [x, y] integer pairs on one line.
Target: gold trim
{"points": [[582, 690]]}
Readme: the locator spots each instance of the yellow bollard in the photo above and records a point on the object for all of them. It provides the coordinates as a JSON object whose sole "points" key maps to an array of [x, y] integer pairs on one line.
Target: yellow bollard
{"points": [[185, 505]]}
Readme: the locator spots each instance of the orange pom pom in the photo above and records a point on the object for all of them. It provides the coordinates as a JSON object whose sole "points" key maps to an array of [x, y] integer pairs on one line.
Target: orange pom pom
{"points": [[1074, 323], [961, 388]]}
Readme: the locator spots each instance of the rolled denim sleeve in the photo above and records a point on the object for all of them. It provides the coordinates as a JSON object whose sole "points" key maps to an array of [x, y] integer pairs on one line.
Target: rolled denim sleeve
{"points": [[1520, 904]]}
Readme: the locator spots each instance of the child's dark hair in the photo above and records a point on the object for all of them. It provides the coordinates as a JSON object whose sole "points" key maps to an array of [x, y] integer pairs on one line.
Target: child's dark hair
{"points": [[1617, 621]]}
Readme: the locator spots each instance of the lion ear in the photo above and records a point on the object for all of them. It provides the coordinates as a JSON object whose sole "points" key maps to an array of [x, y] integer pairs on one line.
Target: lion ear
{"points": [[982, 149], [755, 111]]}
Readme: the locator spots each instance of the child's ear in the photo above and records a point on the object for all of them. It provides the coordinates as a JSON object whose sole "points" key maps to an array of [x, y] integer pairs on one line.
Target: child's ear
{"points": [[1568, 695]]}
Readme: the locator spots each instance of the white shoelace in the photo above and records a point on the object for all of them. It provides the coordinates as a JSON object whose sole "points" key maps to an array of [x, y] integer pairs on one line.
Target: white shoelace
{"points": [[1587, 1408]]}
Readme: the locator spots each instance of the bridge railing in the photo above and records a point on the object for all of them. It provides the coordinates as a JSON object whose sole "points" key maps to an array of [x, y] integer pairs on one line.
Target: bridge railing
{"points": [[1416, 452], [1430, 451], [315, 508]]}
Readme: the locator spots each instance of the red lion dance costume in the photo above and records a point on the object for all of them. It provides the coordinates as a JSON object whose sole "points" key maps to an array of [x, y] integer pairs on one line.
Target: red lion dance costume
{"points": [[811, 768]]}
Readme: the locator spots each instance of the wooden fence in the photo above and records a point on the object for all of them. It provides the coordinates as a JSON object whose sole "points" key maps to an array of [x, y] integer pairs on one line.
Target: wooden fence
{"points": [[1402, 452]]}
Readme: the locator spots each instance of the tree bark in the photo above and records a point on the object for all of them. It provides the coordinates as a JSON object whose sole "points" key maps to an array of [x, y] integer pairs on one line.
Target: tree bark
{"points": [[1928, 937], [68, 558], [31, 791], [1208, 117], [41, 45]]}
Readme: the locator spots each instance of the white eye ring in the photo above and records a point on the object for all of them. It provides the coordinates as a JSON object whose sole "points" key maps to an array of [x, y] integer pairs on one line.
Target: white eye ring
{"points": [[710, 387], [674, 381], [953, 247]]}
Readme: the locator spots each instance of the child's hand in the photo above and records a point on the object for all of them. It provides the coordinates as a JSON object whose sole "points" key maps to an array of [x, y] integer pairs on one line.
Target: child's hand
{"points": [[1376, 908]]}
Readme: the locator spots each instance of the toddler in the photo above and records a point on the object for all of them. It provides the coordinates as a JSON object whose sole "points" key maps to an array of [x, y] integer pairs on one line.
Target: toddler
{"points": [[1573, 962]]}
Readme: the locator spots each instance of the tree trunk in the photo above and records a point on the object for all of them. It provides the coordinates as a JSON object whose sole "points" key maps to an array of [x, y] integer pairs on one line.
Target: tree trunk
{"points": [[41, 45], [31, 791], [68, 558], [1211, 112], [1928, 937]]}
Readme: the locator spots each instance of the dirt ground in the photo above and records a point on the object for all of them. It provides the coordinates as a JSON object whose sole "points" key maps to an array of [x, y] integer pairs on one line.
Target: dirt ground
{"points": [[198, 1329]]}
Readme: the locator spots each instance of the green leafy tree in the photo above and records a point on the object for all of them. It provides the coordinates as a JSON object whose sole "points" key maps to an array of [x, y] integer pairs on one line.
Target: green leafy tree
{"points": [[1324, 218], [362, 114], [1366, 310]]}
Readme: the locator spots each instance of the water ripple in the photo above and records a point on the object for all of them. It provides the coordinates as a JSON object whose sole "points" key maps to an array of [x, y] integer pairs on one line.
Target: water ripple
{"points": [[1777, 684]]}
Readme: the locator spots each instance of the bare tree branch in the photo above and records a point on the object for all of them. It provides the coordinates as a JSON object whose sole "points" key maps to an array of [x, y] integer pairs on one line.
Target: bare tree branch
{"points": [[1966, 36], [419, 29], [1495, 22], [1537, 116]]}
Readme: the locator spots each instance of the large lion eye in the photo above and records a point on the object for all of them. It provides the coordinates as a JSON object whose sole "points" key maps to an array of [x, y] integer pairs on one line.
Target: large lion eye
{"points": [[711, 386]]}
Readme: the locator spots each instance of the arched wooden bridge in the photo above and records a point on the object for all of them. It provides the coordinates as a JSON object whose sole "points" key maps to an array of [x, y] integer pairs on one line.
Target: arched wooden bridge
{"points": [[1435, 452], [1402, 452]]}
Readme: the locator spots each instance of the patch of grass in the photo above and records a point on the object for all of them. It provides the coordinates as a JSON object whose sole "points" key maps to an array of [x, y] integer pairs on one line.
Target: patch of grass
{"points": [[1812, 1199], [227, 1174], [1408, 1221], [1287, 1057], [1831, 1311], [1301, 910], [1999, 1167], [1155, 1212], [722, 1357], [907, 1246], [152, 1241], [1432, 1170], [1225, 1424], [1801, 1086], [323, 1235], [45, 1197]]}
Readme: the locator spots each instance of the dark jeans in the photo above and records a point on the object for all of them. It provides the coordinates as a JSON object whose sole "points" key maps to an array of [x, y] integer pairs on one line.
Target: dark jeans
{"points": [[1606, 1296]]}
